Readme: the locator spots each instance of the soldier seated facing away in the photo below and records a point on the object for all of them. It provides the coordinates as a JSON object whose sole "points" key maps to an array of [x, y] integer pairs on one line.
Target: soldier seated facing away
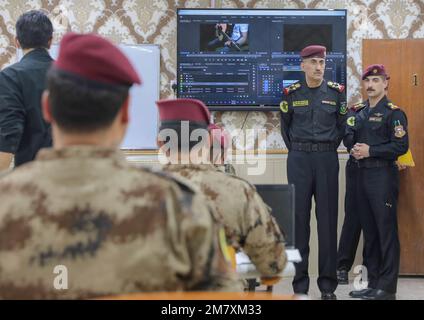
{"points": [[82, 210], [246, 218]]}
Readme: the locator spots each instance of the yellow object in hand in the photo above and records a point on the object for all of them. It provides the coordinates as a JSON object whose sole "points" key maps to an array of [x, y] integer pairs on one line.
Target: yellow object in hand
{"points": [[406, 159]]}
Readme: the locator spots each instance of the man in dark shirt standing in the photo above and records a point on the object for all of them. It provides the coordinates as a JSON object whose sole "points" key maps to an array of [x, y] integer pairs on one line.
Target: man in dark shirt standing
{"points": [[377, 135], [23, 130], [351, 230], [313, 116]]}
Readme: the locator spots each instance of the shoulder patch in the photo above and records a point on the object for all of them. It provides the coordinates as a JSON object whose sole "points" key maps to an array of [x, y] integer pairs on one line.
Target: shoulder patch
{"points": [[392, 106], [336, 86], [358, 106], [284, 106], [292, 88], [351, 121]]}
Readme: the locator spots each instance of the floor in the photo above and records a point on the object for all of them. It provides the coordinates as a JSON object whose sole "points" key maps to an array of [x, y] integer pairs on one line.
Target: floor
{"points": [[408, 289]]}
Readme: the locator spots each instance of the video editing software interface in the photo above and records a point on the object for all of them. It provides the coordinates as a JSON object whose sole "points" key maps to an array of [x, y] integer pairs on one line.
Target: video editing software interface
{"points": [[245, 58]]}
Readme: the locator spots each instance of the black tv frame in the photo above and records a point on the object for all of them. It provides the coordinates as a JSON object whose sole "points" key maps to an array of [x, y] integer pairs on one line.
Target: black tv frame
{"points": [[255, 107]]}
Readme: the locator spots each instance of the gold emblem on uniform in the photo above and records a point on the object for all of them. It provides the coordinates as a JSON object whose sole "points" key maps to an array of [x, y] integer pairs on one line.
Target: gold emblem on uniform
{"points": [[284, 106], [392, 106], [300, 103], [375, 71], [351, 121], [399, 130]]}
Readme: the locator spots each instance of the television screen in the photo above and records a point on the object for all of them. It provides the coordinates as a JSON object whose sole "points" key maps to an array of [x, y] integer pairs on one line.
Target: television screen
{"points": [[241, 59]]}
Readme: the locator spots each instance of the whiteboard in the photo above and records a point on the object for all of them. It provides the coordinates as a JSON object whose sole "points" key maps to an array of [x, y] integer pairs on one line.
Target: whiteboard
{"points": [[143, 125]]}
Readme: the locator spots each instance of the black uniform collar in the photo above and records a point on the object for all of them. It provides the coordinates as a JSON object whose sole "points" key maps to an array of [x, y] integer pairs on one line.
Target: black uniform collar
{"points": [[323, 87], [38, 54], [380, 103]]}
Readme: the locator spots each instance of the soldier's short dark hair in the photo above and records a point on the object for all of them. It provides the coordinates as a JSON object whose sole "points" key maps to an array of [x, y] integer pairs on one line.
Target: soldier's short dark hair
{"points": [[34, 30], [80, 105]]}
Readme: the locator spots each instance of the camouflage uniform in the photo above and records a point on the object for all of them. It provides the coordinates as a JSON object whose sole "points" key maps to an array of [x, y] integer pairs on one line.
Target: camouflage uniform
{"points": [[226, 168], [246, 218], [116, 228]]}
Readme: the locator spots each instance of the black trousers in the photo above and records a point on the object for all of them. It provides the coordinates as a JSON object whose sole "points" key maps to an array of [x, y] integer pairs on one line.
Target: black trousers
{"points": [[315, 174], [377, 193], [351, 231]]}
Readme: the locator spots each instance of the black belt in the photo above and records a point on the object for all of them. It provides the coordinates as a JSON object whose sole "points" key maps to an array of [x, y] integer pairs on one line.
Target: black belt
{"points": [[374, 163], [313, 146]]}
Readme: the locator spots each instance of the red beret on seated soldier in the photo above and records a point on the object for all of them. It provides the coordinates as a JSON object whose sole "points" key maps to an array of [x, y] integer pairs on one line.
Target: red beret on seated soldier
{"points": [[183, 110]]}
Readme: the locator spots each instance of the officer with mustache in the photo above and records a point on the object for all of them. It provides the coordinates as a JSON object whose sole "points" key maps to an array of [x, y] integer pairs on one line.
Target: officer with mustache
{"points": [[377, 135]]}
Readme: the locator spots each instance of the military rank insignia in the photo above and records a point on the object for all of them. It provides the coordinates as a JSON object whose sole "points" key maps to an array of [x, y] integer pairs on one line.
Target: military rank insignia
{"points": [[284, 106], [358, 106], [343, 108], [392, 106], [351, 121], [336, 86], [399, 130], [292, 88]]}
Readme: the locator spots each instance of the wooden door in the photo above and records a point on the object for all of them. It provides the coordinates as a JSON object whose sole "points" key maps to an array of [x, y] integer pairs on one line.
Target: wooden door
{"points": [[404, 60]]}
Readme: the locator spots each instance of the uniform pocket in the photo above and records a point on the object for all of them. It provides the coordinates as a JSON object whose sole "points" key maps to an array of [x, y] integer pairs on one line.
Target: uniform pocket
{"points": [[379, 129], [301, 115], [327, 115], [301, 109], [376, 126]]}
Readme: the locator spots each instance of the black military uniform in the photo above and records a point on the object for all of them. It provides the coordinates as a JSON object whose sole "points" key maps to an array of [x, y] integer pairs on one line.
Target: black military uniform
{"points": [[351, 230], [384, 129], [313, 125], [23, 130]]}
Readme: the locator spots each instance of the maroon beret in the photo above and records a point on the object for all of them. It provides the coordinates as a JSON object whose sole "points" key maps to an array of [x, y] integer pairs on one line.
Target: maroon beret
{"points": [[220, 136], [183, 110], [314, 51], [375, 70], [95, 58]]}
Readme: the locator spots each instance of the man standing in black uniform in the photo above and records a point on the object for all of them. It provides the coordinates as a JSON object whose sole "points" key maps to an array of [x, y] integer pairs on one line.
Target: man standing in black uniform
{"points": [[377, 136], [351, 231], [313, 117], [23, 130]]}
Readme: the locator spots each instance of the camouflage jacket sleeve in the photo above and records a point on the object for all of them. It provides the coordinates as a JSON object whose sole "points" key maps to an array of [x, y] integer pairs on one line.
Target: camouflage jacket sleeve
{"points": [[199, 251], [264, 242]]}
